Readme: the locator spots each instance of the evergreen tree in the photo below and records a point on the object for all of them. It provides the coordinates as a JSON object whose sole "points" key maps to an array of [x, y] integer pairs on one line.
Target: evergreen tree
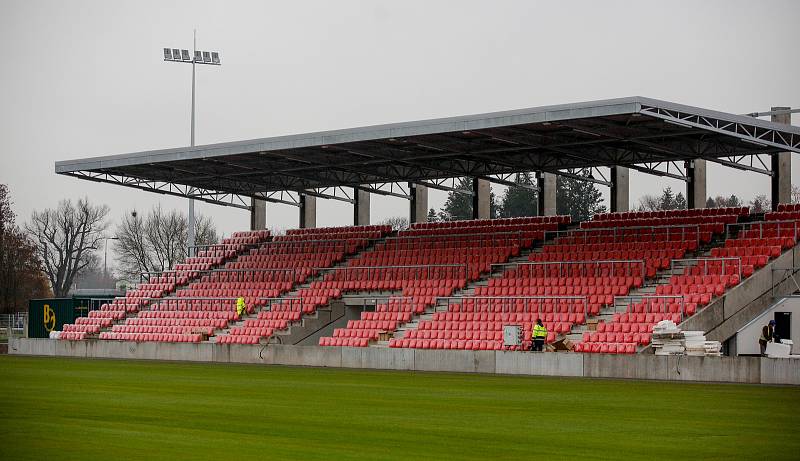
{"points": [[680, 202], [667, 201], [432, 215], [577, 198], [710, 203], [459, 205], [519, 201]]}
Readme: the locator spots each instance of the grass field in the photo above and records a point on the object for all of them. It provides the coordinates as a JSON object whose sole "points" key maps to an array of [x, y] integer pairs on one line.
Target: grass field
{"points": [[92, 409]]}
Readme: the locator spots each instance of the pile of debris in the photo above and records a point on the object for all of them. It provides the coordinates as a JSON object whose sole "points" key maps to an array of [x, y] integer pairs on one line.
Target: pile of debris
{"points": [[668, 339]]}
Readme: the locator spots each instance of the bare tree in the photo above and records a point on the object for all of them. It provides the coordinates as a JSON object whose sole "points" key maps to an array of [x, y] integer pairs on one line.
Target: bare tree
{"points": [[649, 203], [157, 242], [397, 222], [21, 277], [760, 204], [66, 240]]}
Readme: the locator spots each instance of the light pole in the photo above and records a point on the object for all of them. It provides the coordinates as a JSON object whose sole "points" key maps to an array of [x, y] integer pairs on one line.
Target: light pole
{"points": [[197, 57], [105, 257]]}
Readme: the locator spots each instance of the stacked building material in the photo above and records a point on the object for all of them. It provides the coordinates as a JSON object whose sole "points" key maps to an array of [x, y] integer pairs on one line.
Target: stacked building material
{"points": [[668, 339]]}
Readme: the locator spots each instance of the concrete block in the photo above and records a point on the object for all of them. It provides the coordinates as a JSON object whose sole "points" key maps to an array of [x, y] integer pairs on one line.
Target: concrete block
{"points": [[311, 356], [352, 357], [548, 364], [459, 361], [387, 359], [779, 371]]}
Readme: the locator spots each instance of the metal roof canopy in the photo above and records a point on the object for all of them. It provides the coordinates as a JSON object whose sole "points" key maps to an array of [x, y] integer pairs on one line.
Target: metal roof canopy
{"points": [[621, 132]]}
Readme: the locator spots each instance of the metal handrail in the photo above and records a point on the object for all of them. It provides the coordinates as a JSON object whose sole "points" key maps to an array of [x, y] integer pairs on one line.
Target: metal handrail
{"points": [[369, 269], [761, 225], [630, 298], [621, 230], [697, 260], [583, 263], [526, 301]]}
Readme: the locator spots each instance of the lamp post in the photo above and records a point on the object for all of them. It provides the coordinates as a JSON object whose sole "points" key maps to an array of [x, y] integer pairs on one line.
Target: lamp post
{"points": [[105, 257], [197, 57]]}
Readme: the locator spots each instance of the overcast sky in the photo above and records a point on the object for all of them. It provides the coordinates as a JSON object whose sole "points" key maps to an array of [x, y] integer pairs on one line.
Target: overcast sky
{"points": [[81, 79]]}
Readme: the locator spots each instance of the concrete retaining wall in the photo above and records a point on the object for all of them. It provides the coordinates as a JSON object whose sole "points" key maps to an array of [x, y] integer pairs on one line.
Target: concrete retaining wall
{"points": [[639, 366]]}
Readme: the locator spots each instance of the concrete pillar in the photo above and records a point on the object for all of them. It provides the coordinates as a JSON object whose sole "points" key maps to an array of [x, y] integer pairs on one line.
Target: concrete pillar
{"points": [[781, 167], [308, 211], [258, 214], [696, 186], [547, 193], [620, 189], [481, 195], [361, 208], [419, 203]]}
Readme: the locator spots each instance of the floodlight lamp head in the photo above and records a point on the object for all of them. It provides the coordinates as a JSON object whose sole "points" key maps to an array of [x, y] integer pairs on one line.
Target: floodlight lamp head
{"points": [[167, 54]]}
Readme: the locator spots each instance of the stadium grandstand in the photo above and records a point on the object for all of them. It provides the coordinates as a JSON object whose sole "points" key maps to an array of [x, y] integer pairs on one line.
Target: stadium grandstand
{"points": [[601, 284]]}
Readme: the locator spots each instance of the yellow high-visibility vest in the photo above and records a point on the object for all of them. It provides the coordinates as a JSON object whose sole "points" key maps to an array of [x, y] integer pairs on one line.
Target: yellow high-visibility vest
{"points": [[240, 306], [539, 331]]}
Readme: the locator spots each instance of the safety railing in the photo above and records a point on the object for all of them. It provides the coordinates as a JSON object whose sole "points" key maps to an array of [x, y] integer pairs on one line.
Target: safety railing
{"points": [[586, 268], [405, 272], [16, 323], [706, 266], [206, 303], [687, 232], [193, 251], [519, 304], [370, 303], [452, 238], [248, 275], [293, 246], [785, 228], [653, 304], [786, 273], [294, 303], [170, 276]]}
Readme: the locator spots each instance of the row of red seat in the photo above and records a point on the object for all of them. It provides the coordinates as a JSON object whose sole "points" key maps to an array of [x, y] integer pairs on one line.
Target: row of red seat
{"points": [[606, 348], [146, 337], [493, 222], [512, 278], [623, 215], [323, 231], [642, 338]]}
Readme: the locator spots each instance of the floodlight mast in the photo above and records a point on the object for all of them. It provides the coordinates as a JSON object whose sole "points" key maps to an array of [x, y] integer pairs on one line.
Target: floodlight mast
{"points": [[197, 57]]}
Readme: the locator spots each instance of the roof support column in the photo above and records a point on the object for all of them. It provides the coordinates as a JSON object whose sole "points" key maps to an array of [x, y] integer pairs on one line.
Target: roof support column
{"points": [[308, 211], [418, 211], [258, 214], [361, 208], [547, 193], [696, 185], [781, 167], [481, 193], [620, 189]]}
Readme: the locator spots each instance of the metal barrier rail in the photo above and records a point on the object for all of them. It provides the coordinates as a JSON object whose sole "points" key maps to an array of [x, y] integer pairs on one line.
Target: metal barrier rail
{"points": [[620, 232], [292, 301], [583, 264], [629, 301], [510, 304], [372, 270], [791, 271], [374, 301], [400, 242], [241, 273], [747, 226], [696, 261]]}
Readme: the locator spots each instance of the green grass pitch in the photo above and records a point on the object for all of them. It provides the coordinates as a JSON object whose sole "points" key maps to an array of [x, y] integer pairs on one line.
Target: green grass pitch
{"points": [[102, 409]]}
